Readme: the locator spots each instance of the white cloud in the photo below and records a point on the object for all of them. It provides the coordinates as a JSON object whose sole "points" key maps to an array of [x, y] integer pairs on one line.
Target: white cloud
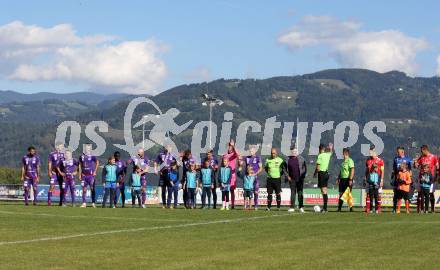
{"points": [[315, 30], [350, 47], [17, 34], [32, 53]]}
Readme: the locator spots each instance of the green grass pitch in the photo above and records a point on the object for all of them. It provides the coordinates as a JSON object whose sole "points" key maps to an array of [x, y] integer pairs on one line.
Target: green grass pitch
{"points": [[74, 238]]}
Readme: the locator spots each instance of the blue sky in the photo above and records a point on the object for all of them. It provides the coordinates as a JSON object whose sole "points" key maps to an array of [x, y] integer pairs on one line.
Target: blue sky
{"points": [[193, 41]]}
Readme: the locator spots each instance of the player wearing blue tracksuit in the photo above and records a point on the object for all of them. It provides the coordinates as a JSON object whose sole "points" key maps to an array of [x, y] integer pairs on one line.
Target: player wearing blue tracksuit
{"points": [[373, 182], [136, 185], [224, 180], [425, 182], [207, 182], [249, 178], [173, 184], [109, 179], [191, 184], [187, 161]]}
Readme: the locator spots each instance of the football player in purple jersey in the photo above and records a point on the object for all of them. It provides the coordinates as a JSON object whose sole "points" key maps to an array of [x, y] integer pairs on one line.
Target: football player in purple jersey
{"points": [[161, 166], [53, 162], [88, 167], [257, 165], [142, 161], [30, 173], [120, 173], [68, 169]]}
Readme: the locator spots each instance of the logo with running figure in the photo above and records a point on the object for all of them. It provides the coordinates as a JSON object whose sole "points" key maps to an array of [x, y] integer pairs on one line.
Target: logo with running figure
{"points": [[163, 127], [160, 134]]}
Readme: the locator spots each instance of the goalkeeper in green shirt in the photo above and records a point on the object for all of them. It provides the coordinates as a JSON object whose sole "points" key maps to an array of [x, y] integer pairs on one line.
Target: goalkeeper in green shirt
{"points": [[275, 167]]}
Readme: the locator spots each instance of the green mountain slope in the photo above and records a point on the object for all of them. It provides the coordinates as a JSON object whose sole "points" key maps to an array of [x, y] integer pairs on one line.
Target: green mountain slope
{"points": [[409, 107]]}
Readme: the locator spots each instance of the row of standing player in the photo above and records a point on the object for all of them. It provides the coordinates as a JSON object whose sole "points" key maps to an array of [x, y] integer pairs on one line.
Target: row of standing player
{"points": [[63, 169], [401, 178]]}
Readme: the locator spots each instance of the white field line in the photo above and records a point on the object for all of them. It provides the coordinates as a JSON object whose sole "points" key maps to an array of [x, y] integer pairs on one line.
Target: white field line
{"points": [[91, 217], [136, 230], [299, 222]]}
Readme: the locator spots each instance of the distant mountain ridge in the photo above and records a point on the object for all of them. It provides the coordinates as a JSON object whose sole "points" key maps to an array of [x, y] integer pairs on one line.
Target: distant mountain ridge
{"points": [[8, 96]]}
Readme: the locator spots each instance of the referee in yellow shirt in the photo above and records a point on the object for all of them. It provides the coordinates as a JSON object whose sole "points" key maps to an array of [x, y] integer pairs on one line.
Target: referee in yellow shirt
{"points": [[322, 166]]}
